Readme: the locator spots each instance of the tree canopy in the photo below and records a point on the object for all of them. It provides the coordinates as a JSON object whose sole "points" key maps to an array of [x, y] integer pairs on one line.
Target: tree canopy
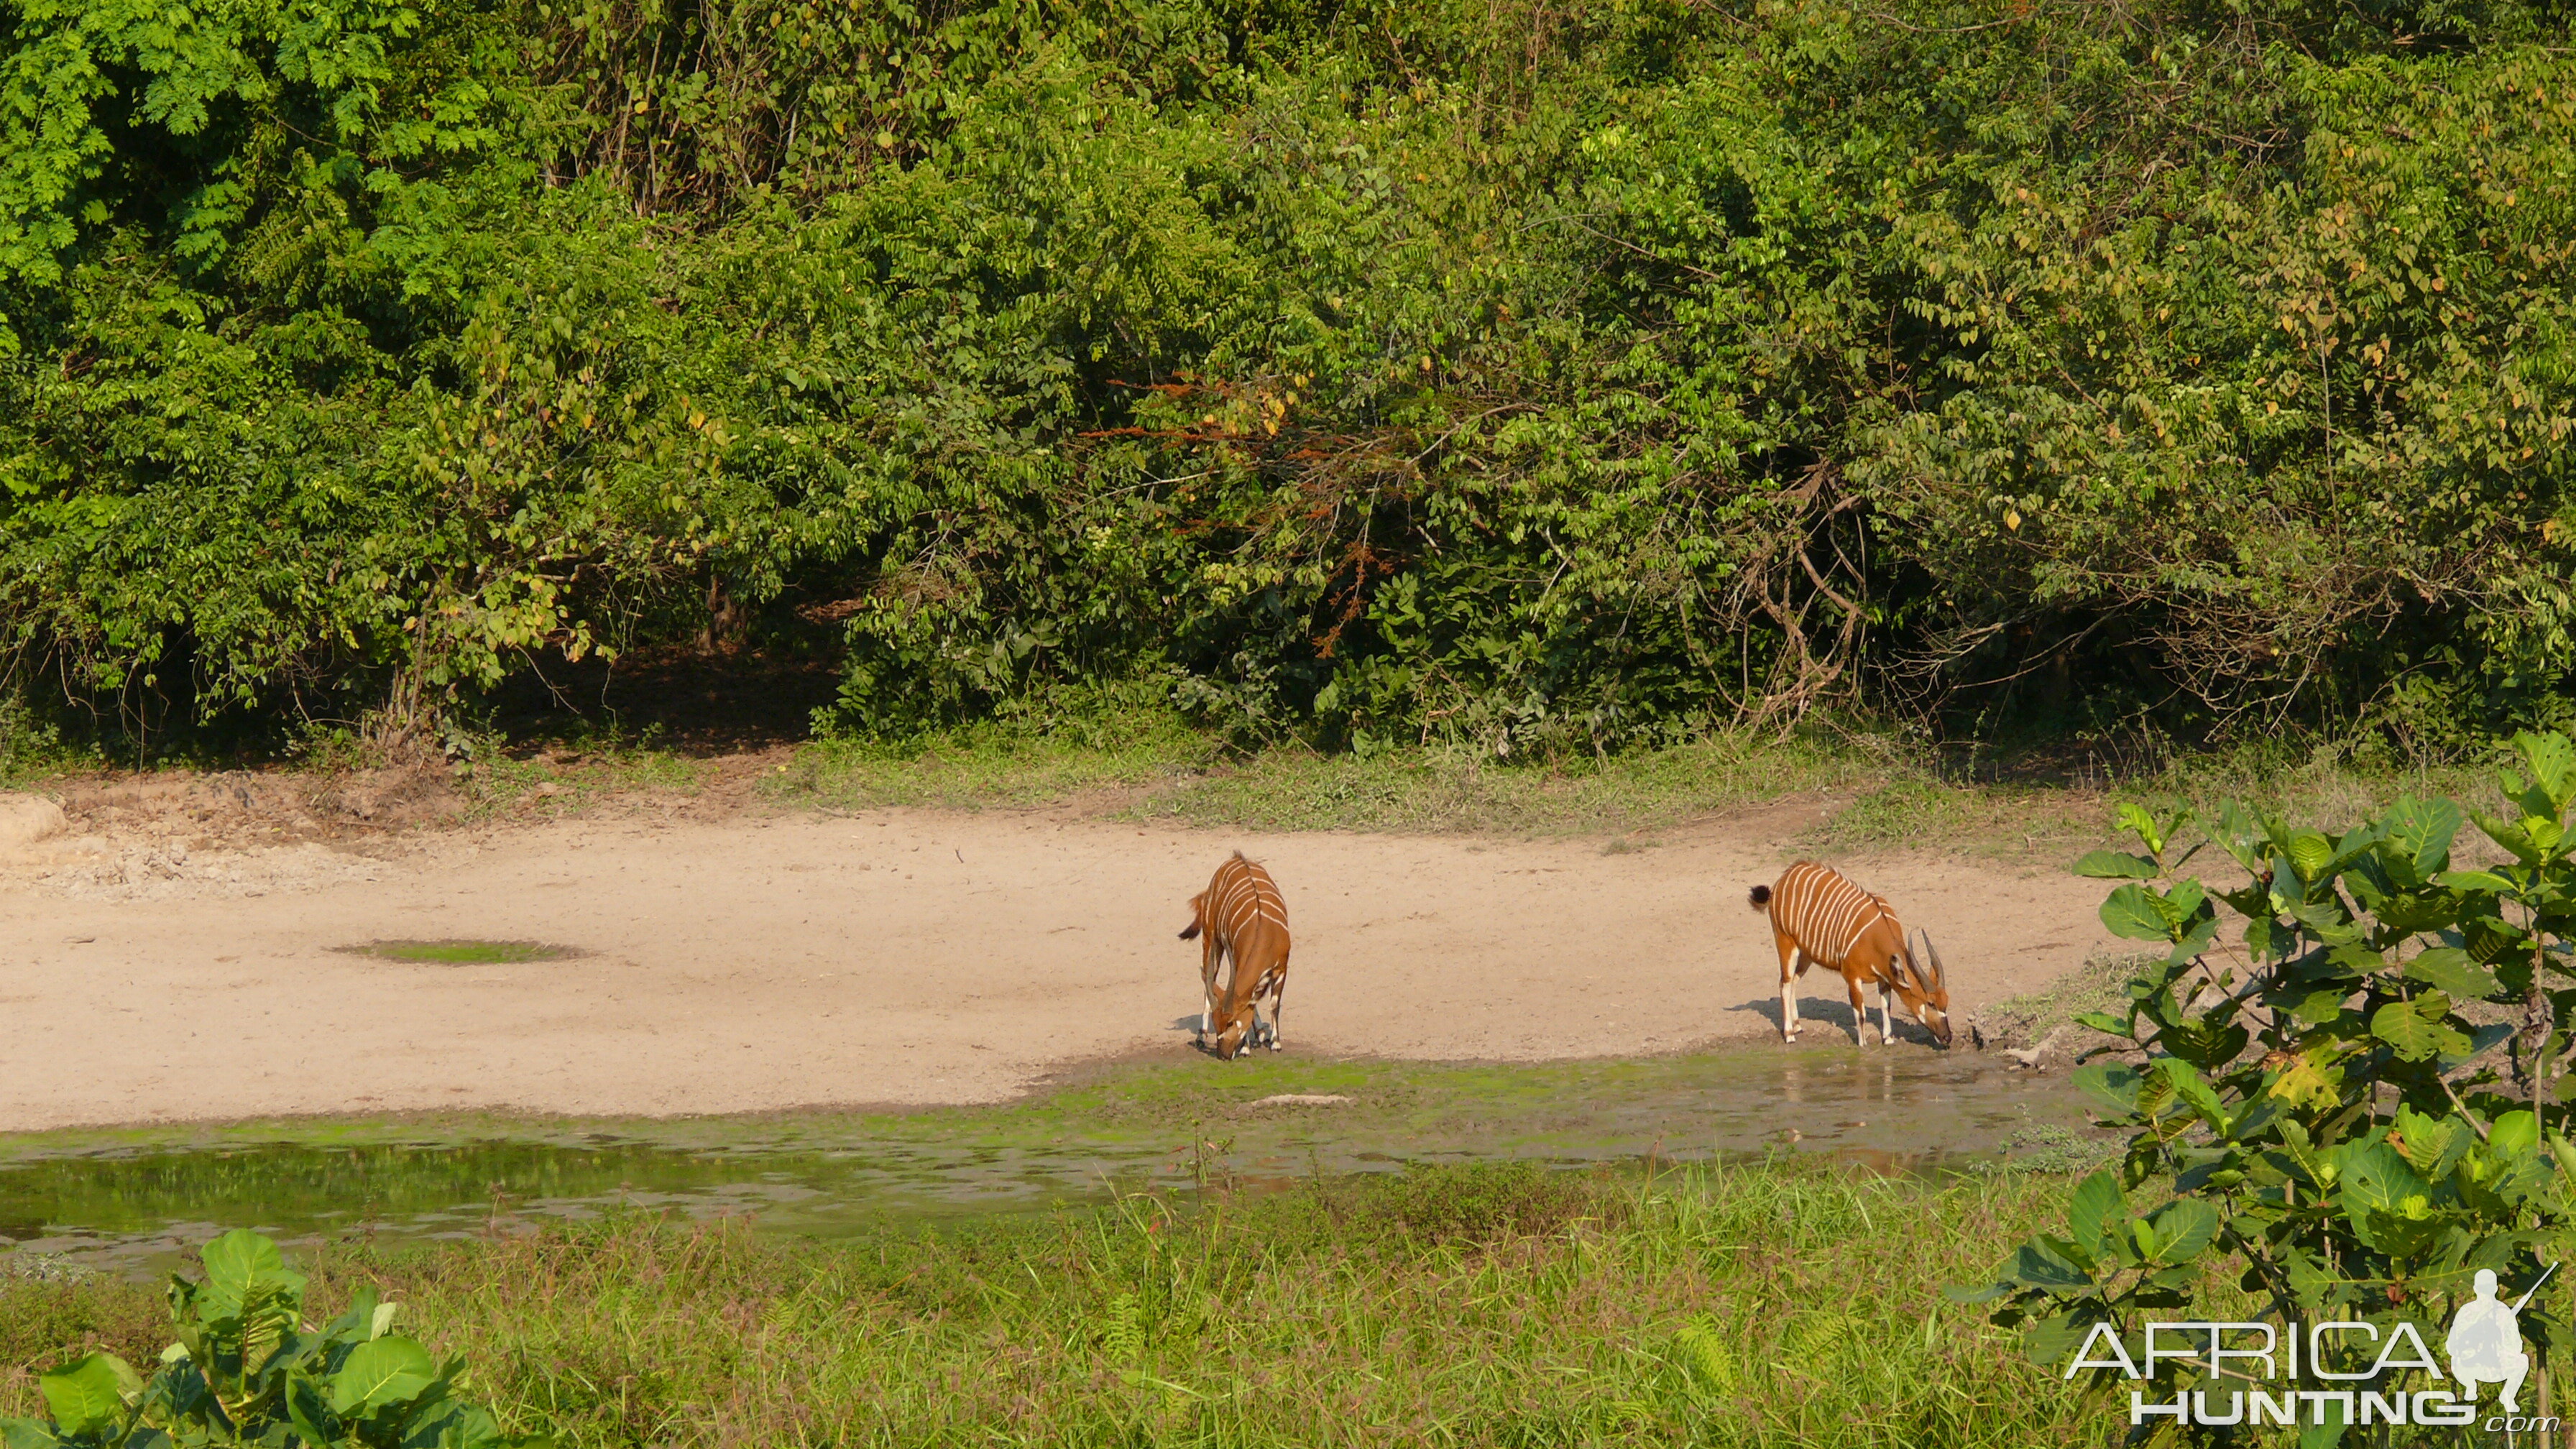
{"points": [[1545, 377]]}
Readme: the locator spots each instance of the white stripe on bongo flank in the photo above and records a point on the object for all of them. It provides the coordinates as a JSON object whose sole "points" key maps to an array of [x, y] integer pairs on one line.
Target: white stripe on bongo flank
{"points": [[1824, 912], [1242, 900], [1242, 894]]}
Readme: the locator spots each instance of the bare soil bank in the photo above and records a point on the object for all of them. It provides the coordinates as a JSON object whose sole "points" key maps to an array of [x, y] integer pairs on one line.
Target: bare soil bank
{"points": [[737, 962]]}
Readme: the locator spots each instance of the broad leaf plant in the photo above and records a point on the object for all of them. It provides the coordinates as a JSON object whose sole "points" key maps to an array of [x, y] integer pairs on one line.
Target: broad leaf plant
{"points": [[2342, 1069], [248, 1368]]}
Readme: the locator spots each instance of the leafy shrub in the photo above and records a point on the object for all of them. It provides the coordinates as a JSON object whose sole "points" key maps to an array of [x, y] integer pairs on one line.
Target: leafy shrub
{"points": [[2321, 1088], [249, 1369], [1540, 378]]}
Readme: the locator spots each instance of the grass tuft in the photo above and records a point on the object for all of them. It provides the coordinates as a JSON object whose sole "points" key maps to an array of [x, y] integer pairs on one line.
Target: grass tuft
{"points": [[462, 953]]}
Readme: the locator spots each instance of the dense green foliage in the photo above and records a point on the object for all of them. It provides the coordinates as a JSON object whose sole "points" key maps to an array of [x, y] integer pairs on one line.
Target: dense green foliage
{"points": [[2322, 1088], [249, 1369], [1537, 377]]}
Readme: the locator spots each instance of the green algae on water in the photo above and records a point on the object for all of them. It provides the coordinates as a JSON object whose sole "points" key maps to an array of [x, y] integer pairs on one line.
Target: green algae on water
{"points": [[132, 1200]]}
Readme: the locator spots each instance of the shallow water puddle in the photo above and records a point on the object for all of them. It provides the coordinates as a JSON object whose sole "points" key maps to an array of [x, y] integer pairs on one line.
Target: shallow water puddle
{"points": [[133, 1202]]}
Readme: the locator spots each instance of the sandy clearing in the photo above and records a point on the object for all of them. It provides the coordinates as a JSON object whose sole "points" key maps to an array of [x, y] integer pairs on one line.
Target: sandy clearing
{"points": [[900, 957]]}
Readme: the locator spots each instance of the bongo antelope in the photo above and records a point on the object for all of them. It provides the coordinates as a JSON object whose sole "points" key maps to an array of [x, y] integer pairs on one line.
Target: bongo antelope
{"points": [[1820, 918], [1243, 921]]}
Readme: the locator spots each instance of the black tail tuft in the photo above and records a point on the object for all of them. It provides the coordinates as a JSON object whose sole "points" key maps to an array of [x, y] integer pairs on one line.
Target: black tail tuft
{"points": [[1190, 932], [1760, 897]]}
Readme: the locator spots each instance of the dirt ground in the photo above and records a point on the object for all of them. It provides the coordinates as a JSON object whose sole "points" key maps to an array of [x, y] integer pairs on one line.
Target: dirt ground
{"points": [[162, 965]]}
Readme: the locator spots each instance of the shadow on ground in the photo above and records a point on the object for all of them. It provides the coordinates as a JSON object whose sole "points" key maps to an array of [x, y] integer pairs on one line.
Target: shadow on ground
{"points": [[694, 702]]}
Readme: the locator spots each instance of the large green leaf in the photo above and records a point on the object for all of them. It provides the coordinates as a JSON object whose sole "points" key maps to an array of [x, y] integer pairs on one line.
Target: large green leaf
{"points": [[27, 1434], [2318, 1007], [2266, 939], [243, 1267], [2183, 1229], [2113, 1084], [2375, 1179], [2194, 940], [2475, 880], [2320, 1167], [2137, 821], [2450, 968], [2115, 865], [2415, 1029], [2132, 912], [90, 1394], [2514, 1134], [2194, 1089], [1988, 1293], [2050, 1341], [2096, 1214], [2563, 1153], [2155, 1094], [352, 1324], [2244, 835], [2325, 919], [2417, 912], [2490, 940], [2513, 837], [2432, 1145], [2205, 1043], [2034, 1265], [2311, 1284], [2310, 854], [2420, 832], [304, 1409], [381, 1371], [2551, 759]]}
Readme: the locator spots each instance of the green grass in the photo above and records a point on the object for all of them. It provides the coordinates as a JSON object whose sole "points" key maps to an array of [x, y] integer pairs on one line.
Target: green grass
{"points": [[569, 778], [1919, 811], [1882, 789], [1881, 793], [1486, 1306], [462, 953], [1466, 794], [2100, 984], [1152, 766], [2058, 1150], [2326, 784], [1001, 764]]}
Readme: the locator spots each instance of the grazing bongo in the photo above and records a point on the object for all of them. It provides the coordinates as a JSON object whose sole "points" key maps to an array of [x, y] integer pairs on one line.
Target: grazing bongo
{"points": [[1820, 918], [1244, 921]]}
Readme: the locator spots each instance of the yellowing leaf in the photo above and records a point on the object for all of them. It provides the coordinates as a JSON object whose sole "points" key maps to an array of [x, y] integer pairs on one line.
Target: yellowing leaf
{"points": [[2305, 1081]]}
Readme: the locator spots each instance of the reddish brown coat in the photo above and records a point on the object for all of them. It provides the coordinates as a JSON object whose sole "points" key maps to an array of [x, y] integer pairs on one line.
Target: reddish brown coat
{"points": [[1819, 916], [1240, 918]]}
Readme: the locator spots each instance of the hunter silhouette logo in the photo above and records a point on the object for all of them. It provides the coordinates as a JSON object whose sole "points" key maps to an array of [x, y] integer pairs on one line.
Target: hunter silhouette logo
{"points": [[2485, 1342], [2348, 1361]]}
